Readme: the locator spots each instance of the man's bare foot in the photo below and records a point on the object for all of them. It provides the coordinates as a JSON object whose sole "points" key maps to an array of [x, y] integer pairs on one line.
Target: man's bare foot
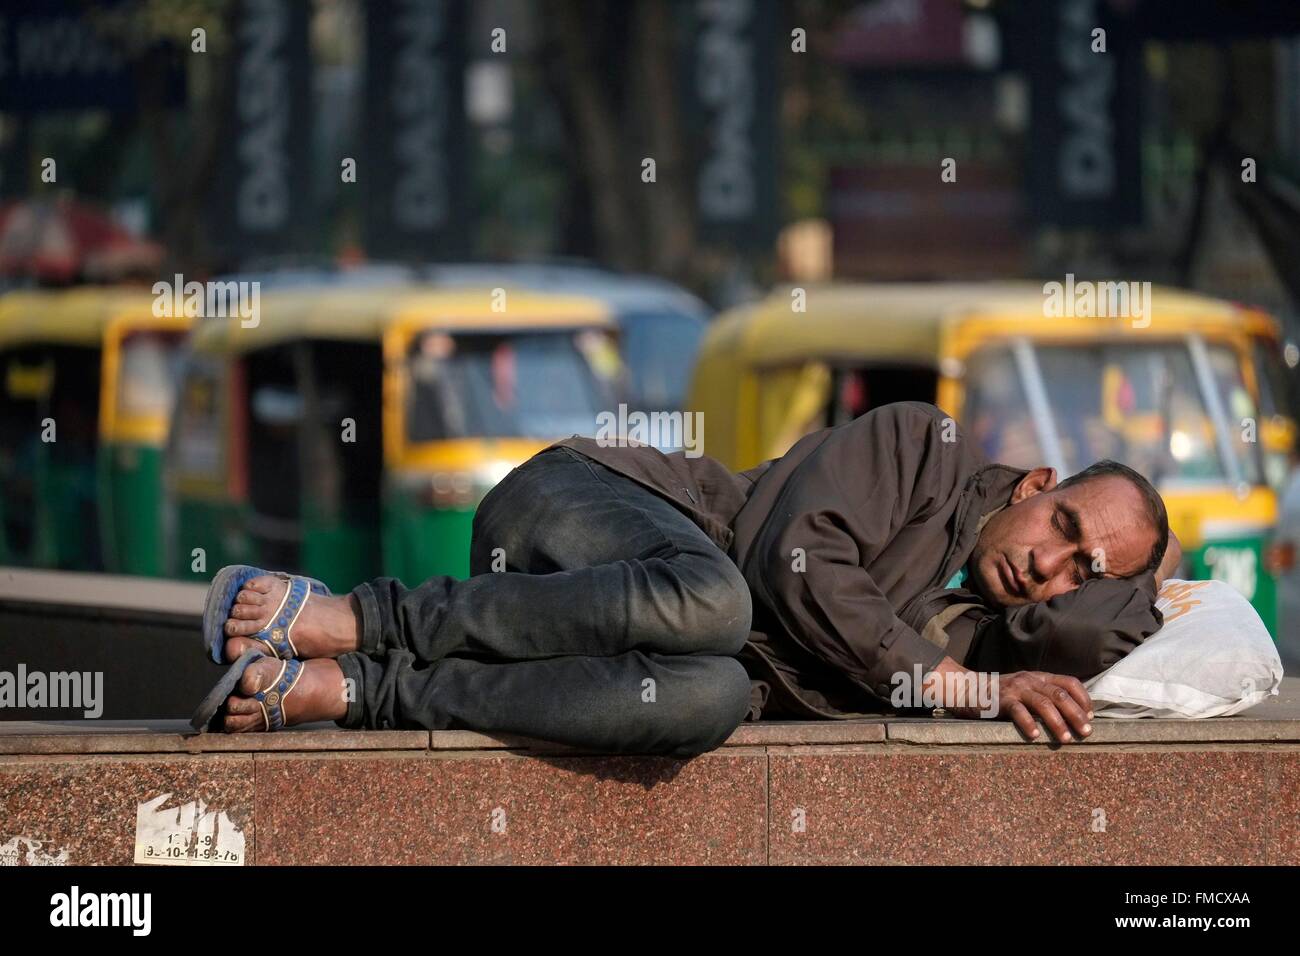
{"points": [[327, 626], [319, 694]]}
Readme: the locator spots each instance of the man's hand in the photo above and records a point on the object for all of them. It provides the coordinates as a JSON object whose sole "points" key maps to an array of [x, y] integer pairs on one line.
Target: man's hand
{"points": [[1060, 702], [1169, 564]]}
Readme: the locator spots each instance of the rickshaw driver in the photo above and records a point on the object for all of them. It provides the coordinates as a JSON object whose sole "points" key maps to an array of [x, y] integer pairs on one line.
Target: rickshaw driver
{"points": [[634, 581]]}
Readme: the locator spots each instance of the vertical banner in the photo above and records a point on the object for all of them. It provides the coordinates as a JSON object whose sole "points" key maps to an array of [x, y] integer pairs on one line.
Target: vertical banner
{"points": [[1084, 146], [263, 192], [732, 96], [415, 175]]}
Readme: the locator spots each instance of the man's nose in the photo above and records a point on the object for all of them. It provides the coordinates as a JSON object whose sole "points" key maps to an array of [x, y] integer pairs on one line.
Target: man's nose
{"points": [[1048, 562]]}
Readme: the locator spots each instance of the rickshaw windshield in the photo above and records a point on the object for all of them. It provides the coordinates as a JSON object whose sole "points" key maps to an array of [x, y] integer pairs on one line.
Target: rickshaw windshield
{"points": [[198, 431], [149, 371], [1138, 403], [508, 384], [660, 349]]}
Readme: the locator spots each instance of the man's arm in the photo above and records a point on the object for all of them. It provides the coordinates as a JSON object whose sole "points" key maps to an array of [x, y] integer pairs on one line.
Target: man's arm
{"points": [[1061, 702], [837, 510], [1079, 633]]}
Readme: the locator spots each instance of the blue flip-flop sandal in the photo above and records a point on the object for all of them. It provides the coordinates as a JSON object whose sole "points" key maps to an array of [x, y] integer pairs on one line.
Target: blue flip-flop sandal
{"points": [[276, 637], [271, 698]]}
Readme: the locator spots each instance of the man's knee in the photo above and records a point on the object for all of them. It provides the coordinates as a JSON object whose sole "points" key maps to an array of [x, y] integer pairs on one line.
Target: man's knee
{"points": [[709, 707], [725, 608]]}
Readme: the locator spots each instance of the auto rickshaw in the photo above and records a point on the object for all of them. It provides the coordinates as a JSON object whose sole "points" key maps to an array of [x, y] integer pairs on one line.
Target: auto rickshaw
{"points": [[660, 324], [88, 388], [1277, 424], [354, 431], [1175, 394]]}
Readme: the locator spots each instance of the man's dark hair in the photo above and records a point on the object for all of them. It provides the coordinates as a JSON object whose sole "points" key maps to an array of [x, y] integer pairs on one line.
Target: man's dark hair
{"points": [[1155, 506]]}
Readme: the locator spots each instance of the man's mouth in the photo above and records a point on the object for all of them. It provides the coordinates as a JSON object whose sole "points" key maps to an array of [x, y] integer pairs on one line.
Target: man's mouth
{"points": [[1011, 582]]}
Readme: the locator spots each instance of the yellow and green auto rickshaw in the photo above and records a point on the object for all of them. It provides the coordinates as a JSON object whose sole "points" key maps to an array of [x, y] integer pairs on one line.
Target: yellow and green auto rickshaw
{"points": [[1174, 393], [354, 431], [88, 383]]}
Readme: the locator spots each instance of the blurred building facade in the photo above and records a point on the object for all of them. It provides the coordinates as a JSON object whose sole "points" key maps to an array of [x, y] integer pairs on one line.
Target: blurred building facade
{"points": [[933, 138]]}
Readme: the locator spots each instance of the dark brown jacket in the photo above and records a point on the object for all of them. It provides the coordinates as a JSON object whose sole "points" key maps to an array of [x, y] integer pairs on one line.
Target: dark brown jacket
{"points": [[846, 542]]}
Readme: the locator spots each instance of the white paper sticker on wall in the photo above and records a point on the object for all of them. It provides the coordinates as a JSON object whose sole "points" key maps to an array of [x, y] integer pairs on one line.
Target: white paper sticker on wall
{"points": [[186, 835], [27, 851]]}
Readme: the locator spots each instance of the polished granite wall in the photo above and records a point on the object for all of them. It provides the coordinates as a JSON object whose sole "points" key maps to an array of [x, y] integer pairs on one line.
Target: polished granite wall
{"points": [[875, 792]]}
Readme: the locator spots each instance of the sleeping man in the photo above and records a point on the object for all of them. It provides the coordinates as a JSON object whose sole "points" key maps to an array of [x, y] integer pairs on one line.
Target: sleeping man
{"points": [[628, 601]]}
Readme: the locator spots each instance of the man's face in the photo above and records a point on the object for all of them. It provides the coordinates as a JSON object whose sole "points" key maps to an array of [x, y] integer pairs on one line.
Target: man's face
{"points": [[1047, 542]]}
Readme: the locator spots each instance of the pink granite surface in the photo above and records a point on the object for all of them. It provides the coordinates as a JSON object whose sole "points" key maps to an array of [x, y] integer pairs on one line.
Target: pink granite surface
{"points": [[82, 810], [855, 797], [501, 808], [1287, 795], [1177, 807], [837, 804]]}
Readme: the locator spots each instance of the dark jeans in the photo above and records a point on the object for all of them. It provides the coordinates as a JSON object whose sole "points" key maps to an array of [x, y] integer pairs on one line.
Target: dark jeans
{"points": [[613, 625]]}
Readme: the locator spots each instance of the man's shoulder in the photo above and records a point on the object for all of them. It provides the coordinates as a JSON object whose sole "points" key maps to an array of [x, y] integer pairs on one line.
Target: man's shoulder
{"points": [[916, 420], [905, 416]]}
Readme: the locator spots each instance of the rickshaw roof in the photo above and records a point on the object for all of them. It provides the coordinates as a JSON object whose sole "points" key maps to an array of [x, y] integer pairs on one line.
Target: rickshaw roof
{"points": [[76, 316], [360, 314], [905, 322], [367, 275], [622, 292]]}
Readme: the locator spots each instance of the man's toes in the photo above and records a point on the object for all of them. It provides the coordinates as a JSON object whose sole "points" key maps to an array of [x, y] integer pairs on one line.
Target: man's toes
{"points": [[236, 646], [238, 723], [247, 612], [262, 583], [246, 596], [235, 628], [256, 676]]}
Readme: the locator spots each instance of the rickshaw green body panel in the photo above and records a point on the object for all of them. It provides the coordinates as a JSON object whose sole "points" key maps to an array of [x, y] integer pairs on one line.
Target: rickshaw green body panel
{"points": [[131, 517], [421, 541], [1239, 561], [218, 527], [65, 501], [340, 552]]}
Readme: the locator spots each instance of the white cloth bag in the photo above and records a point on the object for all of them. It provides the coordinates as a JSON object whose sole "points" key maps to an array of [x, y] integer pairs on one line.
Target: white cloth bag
{"points": [[1212, 657]]}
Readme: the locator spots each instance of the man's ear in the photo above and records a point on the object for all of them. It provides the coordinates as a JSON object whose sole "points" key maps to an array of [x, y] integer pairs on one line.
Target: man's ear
{"points": [[1036, 482]]}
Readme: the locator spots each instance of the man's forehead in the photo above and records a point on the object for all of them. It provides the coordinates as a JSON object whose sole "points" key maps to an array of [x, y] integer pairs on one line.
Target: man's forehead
{"points": [[1103, 487], [1108, 512]]}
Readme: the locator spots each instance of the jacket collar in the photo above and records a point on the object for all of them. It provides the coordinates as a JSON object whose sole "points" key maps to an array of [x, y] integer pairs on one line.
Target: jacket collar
{"points": [[994, 485], [987, 491]]}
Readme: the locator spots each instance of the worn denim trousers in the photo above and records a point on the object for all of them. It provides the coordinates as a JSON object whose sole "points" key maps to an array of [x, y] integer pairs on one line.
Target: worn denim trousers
{"points": [[613, 625]]}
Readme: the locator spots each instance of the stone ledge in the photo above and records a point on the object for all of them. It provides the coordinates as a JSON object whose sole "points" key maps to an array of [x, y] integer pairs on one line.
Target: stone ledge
{"points": [[834, 804], [1275, 721]]}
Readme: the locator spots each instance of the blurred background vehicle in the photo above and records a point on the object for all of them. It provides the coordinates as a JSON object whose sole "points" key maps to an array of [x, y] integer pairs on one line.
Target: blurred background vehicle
{"points": [[1284, 563], [87, 378], [355, 429], [660, 324]]}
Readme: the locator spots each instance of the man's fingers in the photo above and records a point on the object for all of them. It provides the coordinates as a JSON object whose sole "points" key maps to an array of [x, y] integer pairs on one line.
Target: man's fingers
{"points": [[1075, 688], [1069, 708], [1022, 718], [1045, 709]]}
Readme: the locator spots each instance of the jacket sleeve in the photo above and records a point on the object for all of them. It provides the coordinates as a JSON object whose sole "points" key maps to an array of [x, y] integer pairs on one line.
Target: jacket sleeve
{"points": [[1080, 633], [843, 504]]}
